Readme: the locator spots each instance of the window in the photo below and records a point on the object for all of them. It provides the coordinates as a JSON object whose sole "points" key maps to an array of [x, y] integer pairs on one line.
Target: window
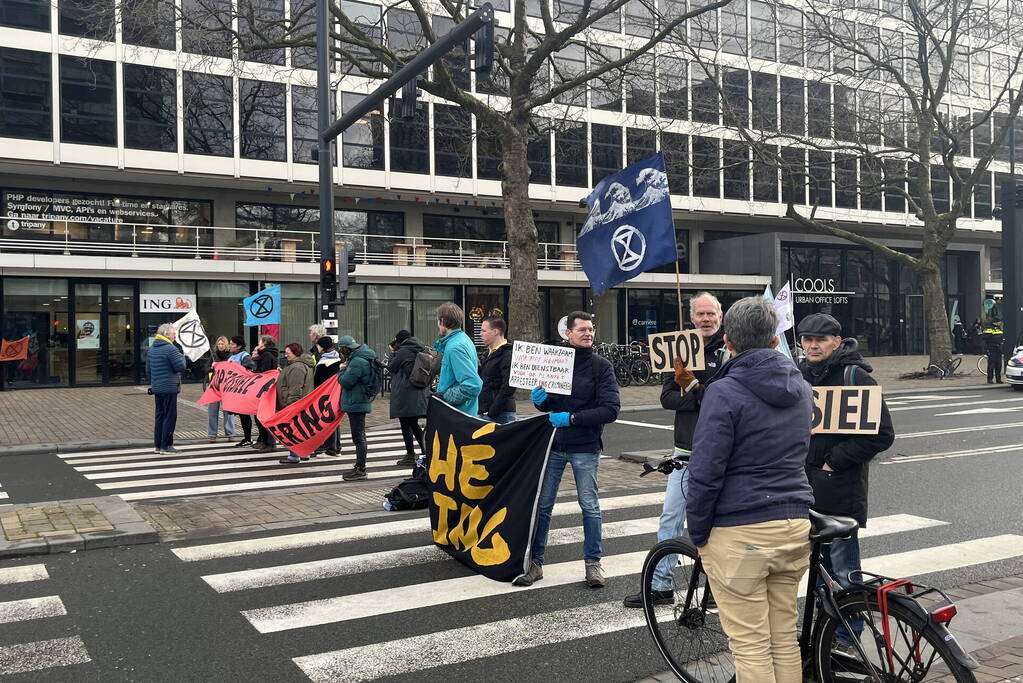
{"points": [[570, 62], [894, 200], [362, 145], [765, 177], [452, 141], [845, 181], [209, 126], [148, 22], [703, 28], [260, 22], [30, 14], [404, 32], [820, 178], [456, 60], [87, 101], [570, 156], [304, 124], [496, 82], [940, 188], [671, 85], [869, 119], [87, 18], [150, 113], [982, 197], [793, 175], [980, 74], [870, 184], [262, 120], [488, 152], [763, 31], [610, 22], [819, 109], [765, 102], [995, 256], [705, 95], [607, 150], [640, 143], [735, 156], [981, 133], [539, 154], [409, 143], [793, 110], [845, 113], [200, 34], [733, 28], [790, 36], [734, 84], [353, 223], [25, 95], [303, 22], [641, 86], [706, 181], [844, 35], [675, 148], [607, 89], [638, 19]]}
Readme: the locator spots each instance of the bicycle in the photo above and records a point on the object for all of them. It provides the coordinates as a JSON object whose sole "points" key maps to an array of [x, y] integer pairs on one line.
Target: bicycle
{"points": [[905, 633], [946, 370]]}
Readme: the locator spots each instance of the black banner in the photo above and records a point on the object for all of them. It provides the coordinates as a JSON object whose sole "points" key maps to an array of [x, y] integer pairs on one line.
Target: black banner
{"points": [[484, 480]]}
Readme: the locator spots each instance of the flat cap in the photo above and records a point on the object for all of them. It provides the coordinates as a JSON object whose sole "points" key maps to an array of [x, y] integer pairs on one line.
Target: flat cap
{"points": [[818, 325]]}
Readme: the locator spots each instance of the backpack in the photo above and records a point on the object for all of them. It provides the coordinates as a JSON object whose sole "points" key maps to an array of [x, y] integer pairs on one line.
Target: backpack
{"points": [[376, 375], [411, 493], [425, 368], [849, 375]]}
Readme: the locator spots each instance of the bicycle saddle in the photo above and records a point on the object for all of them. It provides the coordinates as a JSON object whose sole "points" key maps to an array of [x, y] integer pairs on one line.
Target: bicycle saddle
{"points": [[825, 528]]}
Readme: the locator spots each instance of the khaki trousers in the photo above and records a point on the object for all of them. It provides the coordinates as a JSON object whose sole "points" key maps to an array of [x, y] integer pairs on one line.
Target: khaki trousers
{"points": [[754, 573]]}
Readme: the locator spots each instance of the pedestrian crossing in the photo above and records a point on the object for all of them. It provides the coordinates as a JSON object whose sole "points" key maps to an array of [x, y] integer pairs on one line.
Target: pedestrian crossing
{"points": [[375, 598], [39, 655], [137, 474]]}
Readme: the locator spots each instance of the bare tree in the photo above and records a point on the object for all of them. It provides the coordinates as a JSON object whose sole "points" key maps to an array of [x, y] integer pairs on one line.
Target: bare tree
{"points": [[867, 100]]}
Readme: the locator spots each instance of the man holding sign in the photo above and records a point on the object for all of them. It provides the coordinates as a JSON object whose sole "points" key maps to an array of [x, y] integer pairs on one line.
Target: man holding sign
{"points": [[579, 417], [837, 464]]}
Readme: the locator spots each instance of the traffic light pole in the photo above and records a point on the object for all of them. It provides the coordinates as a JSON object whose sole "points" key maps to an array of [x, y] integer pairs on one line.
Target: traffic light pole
{"points": [[1012, 261], [482, 20]]}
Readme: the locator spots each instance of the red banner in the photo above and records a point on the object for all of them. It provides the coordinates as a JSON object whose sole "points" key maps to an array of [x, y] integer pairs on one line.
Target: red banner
{"points": [[14, 350], [304, 425], [241, 391]]}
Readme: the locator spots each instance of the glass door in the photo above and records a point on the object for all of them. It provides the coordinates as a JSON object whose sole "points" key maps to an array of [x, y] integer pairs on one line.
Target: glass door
{"points": [[104, 332], [120, 351], [88, 333]]}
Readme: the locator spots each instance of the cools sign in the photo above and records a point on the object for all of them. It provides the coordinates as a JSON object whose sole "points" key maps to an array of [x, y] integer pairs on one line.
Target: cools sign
{"points": [[166, 303], [818, 290]]}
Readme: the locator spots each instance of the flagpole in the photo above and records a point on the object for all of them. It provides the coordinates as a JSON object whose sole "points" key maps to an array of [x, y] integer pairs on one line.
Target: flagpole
{"points": [[678, 289]]}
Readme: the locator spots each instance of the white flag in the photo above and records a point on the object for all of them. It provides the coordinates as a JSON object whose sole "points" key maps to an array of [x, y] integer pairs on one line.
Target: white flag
{"points": [[191, 336], [783, 307]]}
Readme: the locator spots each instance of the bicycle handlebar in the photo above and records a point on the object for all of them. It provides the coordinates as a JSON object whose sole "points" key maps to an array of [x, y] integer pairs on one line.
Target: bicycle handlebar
{"points": [[666, 466]]}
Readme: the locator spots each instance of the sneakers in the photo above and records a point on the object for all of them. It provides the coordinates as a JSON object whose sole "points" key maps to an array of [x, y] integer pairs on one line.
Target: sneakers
{"points": [[289, 461], [594, 574], [354, 474], [534, 574], [159, 451], [171, 449], [659, 598], [407, 461], [244, 442]]}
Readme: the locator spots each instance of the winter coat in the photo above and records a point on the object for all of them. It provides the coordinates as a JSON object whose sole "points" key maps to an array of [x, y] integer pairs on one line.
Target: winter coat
{"points": [[268, 359], [497, 395], [750, 446], [459, 383], [326, 367], [687, 405], [407, 400], [594, 403], [354, 379], [243, 359], [164, 365], [844, 491], [295, 381]]}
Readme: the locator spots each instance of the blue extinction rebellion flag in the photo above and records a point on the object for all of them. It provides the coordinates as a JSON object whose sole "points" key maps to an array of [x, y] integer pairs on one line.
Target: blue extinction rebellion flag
{"points": [[263, 308], [629, 229]]}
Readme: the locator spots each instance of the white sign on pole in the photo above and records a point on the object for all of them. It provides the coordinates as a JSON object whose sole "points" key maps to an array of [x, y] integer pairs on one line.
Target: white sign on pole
{"points": [[191, 336], [535, 365], [166, 303]]}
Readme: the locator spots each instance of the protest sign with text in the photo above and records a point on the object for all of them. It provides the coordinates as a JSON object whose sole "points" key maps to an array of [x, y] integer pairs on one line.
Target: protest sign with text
{"points": [[305, 424], [665, 347], [535, 365], [239, 390], [846, 410], [484, 481]]}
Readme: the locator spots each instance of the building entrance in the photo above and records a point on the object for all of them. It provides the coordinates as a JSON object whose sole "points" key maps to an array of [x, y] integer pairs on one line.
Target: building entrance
{"points": [[103, 332]]}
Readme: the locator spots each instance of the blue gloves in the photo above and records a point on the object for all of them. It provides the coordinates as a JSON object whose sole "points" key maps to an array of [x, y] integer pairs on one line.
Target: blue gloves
{"points": [[538, 395], [560, 419]]}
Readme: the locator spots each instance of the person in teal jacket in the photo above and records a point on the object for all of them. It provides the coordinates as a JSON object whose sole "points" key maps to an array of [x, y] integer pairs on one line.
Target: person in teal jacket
{"points": [[459, 383], [355, 374]]}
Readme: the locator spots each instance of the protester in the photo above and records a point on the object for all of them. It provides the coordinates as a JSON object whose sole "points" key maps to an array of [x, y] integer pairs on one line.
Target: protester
{"points": [[219, 354], [993, 340], [164, 365], [579, 419], [497, 397], [682, 391], [459, 383], [266, 357], [236, 345], [408, 402], [315, 333], [295, 381], [837, 465], [326, 367], [355, 375], [748, 496]]}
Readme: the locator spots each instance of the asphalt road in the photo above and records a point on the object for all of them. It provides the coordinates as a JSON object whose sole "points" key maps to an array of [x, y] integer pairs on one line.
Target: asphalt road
{"points": [[371, 599]]}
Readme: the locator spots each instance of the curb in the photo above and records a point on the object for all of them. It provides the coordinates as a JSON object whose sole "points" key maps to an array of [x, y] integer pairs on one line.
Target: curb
{"points": [[129, 529], [80, 446]]}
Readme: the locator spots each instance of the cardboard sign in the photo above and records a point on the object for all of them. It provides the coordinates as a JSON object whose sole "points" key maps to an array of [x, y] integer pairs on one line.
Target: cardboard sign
{"points": [[665, 347], [846, 410], [535, 365]]}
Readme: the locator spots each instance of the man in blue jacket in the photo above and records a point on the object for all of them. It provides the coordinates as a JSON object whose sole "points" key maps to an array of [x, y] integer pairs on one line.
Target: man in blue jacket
{"points": [[580, 420], [748, 494], [459, 381], [164, 365]]}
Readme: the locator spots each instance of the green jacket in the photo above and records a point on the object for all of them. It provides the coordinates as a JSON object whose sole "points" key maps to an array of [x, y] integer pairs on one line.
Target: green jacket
{"points": [[294, 382], [354, 379]]}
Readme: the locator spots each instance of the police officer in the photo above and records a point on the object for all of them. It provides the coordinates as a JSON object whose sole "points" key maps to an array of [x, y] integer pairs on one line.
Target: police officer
{"points": [[993, 338]]}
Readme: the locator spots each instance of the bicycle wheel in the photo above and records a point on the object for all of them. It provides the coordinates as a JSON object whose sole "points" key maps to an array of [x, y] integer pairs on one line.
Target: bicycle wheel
{"points": [[639, 370], [982, 365], [953, 365], [622, 375], [918, 650], [935, 372], [687, 633]]}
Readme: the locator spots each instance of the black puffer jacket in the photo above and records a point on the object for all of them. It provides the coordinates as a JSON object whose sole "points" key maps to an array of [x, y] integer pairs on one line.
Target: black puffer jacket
{"points": [[407, 400], [497, 396], [594, 403], [844, 491], [268, 359], [687, 406]]}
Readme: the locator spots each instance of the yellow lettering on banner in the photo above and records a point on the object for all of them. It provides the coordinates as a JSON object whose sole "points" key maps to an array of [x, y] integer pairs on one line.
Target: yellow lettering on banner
{"points": [[484, 430], [465, 535], [498, 551], [445, 504], [444, 467], [471, 470]]}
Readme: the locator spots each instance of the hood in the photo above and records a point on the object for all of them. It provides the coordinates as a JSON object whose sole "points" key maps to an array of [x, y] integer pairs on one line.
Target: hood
{"points": [[329, 357], [271, 351], [296, 361], [446, 339], [364, 352], [847, 353], [413, 343], [769, 375]]}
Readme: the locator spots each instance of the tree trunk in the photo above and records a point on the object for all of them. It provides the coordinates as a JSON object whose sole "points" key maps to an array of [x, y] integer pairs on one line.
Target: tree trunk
{"points": [[938, 336], [524, 296]]}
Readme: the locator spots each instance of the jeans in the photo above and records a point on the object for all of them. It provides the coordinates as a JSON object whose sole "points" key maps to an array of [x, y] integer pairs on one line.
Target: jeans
{"points": [[357, 421], [673, 520], [412, 434], [584, 471], [839, 559], [166, 419], [213, 411]]}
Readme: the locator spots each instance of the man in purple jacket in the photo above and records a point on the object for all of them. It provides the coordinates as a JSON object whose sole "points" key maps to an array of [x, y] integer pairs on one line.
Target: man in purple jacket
{"points": [[749, 497]]}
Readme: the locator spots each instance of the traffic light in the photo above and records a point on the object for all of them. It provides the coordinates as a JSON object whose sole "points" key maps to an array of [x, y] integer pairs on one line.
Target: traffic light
{"points": [[408, 103], [328, 280], [485, 49]]}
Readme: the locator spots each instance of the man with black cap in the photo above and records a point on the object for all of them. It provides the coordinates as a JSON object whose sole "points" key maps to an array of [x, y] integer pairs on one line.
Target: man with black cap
{"points": [[837, 464], [993, 338]]}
